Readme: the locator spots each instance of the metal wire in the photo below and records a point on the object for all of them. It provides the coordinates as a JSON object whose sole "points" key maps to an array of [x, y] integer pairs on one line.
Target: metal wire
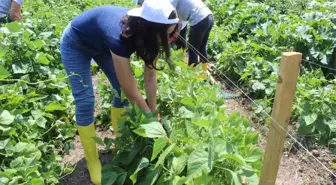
{"points": [[319, 65]]}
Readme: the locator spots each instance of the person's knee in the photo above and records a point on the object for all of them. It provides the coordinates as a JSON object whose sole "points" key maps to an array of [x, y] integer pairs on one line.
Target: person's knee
{"points": [[84, 109]]}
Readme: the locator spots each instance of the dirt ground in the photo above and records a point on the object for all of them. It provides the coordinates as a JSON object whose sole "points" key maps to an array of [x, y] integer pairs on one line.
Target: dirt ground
{"points": [[296, 167]]}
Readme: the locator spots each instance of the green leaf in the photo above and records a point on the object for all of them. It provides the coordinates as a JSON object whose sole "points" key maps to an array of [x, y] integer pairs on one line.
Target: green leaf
{"points": [[54, 106], [19, 147], [219, 147], [14, 26], [197, 162], [185, 113], [108, 142], [98, 140], [253, 158], [16, 162], [310, 118], [4, 143], [306, 129], [109, 177], [5, 176], [6, 118], [324, 60], [39, 44], [121, 178], [41, 122], [250, 176], [14, 181], [37, 181], [179, 180], [30, 44], [159, 144], [234, 157], [179, 164], [46, 35], [126, 157], [332, 125], [151, 177], [22, 68], [151, 130], [41, 58], [235, 179], [204, 123], [143, 163], [3, 48], [4, 73], [258, 86], [187, 101], [164, 155]]}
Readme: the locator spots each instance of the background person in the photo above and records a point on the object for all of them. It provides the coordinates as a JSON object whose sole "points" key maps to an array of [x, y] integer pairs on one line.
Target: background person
{"points": [[200, 19]]}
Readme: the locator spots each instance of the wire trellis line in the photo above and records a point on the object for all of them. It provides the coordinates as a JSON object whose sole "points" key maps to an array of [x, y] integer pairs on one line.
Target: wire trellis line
{"points": [[320, 65]]}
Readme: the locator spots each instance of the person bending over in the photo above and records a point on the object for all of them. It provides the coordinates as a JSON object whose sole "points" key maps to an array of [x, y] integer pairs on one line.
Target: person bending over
{"points": [[110, 35]]}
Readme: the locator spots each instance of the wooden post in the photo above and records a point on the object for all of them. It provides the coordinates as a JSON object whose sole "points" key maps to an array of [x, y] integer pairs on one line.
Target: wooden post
{"points": [[282, 107]]}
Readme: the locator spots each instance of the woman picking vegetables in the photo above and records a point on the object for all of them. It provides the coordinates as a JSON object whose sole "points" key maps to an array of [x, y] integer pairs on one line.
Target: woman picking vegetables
{"points": [[110, 35]]}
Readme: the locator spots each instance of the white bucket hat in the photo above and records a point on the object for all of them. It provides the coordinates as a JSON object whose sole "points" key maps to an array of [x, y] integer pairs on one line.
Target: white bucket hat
{"points": [[156, 11]]}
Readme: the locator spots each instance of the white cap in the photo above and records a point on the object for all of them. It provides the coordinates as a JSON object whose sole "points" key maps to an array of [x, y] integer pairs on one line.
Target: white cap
{"points": [[156, 11]]}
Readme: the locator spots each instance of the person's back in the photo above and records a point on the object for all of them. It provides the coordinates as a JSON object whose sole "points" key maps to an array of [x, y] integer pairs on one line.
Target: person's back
{"points": [[97, 27], [193, 11]]}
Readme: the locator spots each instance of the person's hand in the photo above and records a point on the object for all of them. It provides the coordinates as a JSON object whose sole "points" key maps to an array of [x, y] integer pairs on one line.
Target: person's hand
{"points": [[158, 114]]}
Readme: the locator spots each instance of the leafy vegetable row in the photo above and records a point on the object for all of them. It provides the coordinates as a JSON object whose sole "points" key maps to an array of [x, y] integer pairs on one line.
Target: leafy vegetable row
{"points": [[248, 40]]}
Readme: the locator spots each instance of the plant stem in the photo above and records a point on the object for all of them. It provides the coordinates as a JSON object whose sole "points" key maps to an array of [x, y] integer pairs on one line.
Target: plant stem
{"points": [[53, 125], [36, 83], [73, 169]]}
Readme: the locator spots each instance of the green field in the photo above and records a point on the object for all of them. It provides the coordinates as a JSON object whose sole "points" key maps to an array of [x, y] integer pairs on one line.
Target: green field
{"points": [[199, 143]]}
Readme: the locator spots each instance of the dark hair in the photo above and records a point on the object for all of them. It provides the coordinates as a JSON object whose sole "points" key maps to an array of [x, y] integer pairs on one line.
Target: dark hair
{"points": [[145, 37]]}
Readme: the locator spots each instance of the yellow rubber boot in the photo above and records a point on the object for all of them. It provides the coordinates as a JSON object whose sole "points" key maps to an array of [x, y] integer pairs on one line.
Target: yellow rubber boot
{"points": [[204, 74], [116, 115], [204, 67], [90, 152]]}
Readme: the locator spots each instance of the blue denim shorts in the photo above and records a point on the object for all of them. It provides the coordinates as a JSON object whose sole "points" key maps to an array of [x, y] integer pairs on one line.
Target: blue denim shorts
{"points": [[76, 58]]}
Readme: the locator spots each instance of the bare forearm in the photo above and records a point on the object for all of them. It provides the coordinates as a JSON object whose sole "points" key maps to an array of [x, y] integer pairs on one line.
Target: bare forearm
{"points": [[127, 82], [140, 102], [16, 12], [151, 85], [133, 94], [16, 17]]}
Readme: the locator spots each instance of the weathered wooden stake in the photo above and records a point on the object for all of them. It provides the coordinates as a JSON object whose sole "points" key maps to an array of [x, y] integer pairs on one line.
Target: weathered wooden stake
{"points": [[282, 107]]}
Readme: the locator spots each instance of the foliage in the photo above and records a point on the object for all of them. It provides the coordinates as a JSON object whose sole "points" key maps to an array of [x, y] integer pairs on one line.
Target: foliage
{"points": [[37, 112], [248, 40], [194, 143]]}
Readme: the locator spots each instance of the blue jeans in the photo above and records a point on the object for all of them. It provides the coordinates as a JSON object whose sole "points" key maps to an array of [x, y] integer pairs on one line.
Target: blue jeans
{"points": [[198, 38], [76, 58]]}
